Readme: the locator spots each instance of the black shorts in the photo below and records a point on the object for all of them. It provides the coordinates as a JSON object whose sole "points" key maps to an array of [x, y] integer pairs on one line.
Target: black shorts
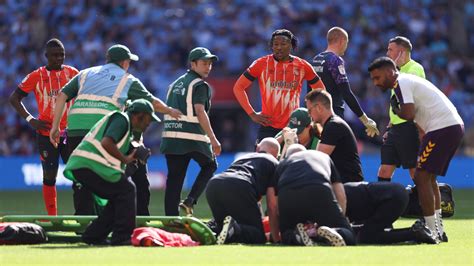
{"points": [[401, 146], [49, 155]]}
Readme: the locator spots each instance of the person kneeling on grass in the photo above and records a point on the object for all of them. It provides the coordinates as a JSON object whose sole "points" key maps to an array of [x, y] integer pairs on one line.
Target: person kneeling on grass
{"points": [[98, 163], [311, 199], [375, 207], [233, 196]]}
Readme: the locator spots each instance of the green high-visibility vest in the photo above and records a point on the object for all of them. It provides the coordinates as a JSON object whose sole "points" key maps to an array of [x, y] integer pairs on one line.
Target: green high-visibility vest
{"points": [[91, 155], [186, 134]]}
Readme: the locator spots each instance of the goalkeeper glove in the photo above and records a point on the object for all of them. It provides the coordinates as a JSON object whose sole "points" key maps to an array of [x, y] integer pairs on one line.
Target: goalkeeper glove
{"points": [[370, 126]]}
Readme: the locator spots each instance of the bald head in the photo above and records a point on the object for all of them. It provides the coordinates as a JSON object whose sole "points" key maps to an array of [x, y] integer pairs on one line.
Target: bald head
{"points": [[294, 148], [269, 145], [335, 34]]}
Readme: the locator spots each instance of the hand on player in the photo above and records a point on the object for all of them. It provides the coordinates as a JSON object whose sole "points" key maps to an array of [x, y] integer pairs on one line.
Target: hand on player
{"points": [[370, 126], [260, 118], [54, 136], [175, 113], [216, 146]]}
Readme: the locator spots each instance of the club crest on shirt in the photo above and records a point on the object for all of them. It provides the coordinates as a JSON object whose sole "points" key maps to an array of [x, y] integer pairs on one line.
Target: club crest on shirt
{"points": [[296, 71], [342, 70]]}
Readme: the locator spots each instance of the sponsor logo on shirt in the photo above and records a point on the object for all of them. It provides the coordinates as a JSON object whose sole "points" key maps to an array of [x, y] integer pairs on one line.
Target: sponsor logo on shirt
{"points": [[283, 85]]}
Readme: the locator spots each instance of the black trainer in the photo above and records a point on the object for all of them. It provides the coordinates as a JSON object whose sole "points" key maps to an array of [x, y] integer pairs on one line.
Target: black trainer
{"points": [[423, 234], [230, 229]]}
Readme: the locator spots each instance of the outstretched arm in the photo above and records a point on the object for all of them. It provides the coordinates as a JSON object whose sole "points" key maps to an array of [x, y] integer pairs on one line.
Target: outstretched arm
{"points": [[161, 107]]}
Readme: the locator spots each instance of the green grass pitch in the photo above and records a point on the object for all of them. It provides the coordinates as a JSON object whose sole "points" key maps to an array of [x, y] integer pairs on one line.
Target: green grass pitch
{"points": [[458, 251]]}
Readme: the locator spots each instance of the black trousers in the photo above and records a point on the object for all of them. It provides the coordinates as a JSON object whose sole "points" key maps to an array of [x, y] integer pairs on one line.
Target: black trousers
{"points": [[177, 168], [140, 179], [119, 214], [84, 203], [313, 203], [237, 198], [383, 206]]}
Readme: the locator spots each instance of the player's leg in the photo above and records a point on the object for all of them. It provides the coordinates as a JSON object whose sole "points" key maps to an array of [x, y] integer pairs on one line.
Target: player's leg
{"points": [[208, 167], [437, 149], [408, 146], [385, 172], [423, 181], [49, 156], [177, 167], [389, 157]]}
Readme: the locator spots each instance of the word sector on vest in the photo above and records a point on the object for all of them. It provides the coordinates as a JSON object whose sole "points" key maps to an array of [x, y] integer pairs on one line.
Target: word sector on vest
{"points": [[168, 124]]}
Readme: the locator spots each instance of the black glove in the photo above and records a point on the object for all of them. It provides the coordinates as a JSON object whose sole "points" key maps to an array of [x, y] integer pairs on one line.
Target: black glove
{"points": [[395, 104], [142, 154], [131, 168]]}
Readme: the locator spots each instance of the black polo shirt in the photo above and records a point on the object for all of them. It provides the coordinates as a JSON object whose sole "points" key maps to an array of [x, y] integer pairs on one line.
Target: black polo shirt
{"points": [[336, 132]]}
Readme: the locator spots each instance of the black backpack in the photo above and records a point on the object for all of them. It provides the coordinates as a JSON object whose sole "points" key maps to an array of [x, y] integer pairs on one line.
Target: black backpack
{"points": [[21, 233], [413, 209]]}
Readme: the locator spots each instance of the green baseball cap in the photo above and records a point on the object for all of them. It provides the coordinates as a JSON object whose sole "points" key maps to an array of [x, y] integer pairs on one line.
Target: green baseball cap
{"points": [[299, 119], [201, 53], [118, 52], [143, 106]]}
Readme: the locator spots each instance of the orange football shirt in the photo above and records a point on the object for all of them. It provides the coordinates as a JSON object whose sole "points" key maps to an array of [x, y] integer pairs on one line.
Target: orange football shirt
{"points": [[280, 85], [46, 85]]}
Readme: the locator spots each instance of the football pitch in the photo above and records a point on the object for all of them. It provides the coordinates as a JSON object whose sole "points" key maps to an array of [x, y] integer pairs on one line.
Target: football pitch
{"points": [[458, 251]]}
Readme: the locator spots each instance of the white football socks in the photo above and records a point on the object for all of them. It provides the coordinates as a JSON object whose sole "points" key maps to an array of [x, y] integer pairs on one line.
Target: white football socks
{"points": [[439, 221], [430, 221]]}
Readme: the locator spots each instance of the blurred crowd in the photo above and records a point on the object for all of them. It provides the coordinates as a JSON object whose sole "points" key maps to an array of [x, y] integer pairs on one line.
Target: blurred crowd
{"points": [[162, 32]]}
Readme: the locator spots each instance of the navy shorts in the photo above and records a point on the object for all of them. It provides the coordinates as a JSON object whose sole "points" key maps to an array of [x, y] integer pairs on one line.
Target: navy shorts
{"points": [[49, 155], [438, 148], [401, 146]]}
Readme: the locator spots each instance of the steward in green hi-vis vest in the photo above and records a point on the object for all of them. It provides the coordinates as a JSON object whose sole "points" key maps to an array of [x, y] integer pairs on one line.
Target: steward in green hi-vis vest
{"points": [[186, 134], [90, 153]]}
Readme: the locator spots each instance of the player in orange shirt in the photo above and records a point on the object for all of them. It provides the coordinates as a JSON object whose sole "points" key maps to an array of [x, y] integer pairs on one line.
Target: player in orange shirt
{"points": [[46, 83], [280, 78]]}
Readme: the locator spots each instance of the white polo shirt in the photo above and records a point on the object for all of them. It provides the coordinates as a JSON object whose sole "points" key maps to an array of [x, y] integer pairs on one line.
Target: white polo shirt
{"points": [[433, 110]]}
